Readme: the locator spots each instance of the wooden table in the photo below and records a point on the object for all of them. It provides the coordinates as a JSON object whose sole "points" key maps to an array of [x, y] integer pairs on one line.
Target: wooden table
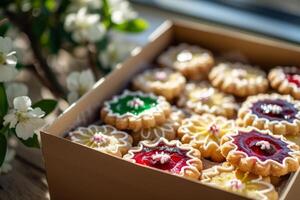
{"points": [[27, 180]]}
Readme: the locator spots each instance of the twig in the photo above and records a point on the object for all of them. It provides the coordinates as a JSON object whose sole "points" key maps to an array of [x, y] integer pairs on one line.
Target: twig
{"points": [[92, 60], [43, 69], [3, 21]]}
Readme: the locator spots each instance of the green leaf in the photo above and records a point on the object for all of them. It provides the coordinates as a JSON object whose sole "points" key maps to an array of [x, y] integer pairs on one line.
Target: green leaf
{"points": [[32, 142], [4, 28], [47, 105], [3, 102], [3, 148], [51, 5], [132, 26]]}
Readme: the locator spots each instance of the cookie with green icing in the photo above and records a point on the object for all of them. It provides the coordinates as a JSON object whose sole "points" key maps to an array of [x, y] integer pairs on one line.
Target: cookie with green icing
{"points": [[135, 110]]}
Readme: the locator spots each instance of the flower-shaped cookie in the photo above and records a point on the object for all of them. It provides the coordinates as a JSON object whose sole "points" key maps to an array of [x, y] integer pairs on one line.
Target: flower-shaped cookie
{"points": [[103, 138], [238, 79], [135, 110], [204, 133], [171, 156], [244, 183], [286, 80], [162, 82], [192, 61], [260, 152], [277, 113], [202, 98], [167, 130]]}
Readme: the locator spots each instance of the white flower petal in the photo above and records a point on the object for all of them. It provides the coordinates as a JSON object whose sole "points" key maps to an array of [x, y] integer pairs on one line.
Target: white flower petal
{"points": [[10, 119], [5, 45], [72, 81], [26, 129], [37, 112], [72, 97], [22, 103], [86, 79]]}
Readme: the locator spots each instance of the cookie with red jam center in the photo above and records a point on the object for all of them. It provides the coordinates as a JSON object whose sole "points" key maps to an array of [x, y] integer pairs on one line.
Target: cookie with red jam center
{"points": [[260, 152], [286, 80], [277, 113], [170, 156], [135, 110]]}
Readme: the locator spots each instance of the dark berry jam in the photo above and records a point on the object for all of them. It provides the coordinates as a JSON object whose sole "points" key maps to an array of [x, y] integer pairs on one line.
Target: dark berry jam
{"points": [[293, 78], [278, 109], [262, 146], [164, 157]]}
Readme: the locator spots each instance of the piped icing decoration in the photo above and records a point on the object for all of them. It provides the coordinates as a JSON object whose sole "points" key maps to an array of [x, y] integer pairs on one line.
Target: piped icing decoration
{"points": [[164, 82], [192, 61], [171, 156], [238, 79], [103, 138], [204, 133], [202, 98], [260, 152], [135, 110], [278, 113], [286, 80], [167, 130], [244, 183]]}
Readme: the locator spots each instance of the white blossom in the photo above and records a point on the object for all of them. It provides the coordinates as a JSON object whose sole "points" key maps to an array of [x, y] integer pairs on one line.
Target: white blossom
{"points": [[8, 60], [6, 166], [84, 27], [25, 119], [121, 11], [91, 4], [116, 52], [79, 83], [14, 90]]}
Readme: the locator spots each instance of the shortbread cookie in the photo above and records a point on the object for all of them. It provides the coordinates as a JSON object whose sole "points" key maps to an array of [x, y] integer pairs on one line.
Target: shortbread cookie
{"points": [[238, 79], [171, 156], [202, 98], [286, 80], [277, 113], [204, 133], [103, 138], [162, 82], [167, 130], [135, 110], [192, 61], [244, 183], [260, 152]]}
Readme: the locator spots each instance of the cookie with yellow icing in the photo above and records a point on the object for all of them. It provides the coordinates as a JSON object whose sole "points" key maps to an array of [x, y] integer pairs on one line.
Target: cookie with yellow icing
{"points": [[171, 156], [192, 61], [244, 183], [238, 79], [203, 98], [135, 110], [260, 152], [164, 82], [204, 133], [103, 138]]}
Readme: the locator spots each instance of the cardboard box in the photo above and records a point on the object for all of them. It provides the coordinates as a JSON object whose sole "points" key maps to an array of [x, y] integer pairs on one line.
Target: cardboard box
{"points": [[78, 172]]}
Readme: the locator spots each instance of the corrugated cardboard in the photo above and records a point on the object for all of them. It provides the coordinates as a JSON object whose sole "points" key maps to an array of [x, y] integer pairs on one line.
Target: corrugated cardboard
{"points": [[77, 172]]}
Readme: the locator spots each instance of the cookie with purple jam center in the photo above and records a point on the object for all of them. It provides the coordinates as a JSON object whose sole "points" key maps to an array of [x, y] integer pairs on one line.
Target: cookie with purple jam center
{"points": [[262, 146], [260, 152], [277, 113], [275, 109]]}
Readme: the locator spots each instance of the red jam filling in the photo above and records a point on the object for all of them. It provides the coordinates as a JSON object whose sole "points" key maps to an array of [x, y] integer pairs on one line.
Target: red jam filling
{"points": [[164, 157], [278, 109], [262, 146], [293, 78]]}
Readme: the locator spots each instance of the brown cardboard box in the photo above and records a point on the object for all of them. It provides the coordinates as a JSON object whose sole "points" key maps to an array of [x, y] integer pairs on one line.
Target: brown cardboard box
{"points": [[77, 172]]}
